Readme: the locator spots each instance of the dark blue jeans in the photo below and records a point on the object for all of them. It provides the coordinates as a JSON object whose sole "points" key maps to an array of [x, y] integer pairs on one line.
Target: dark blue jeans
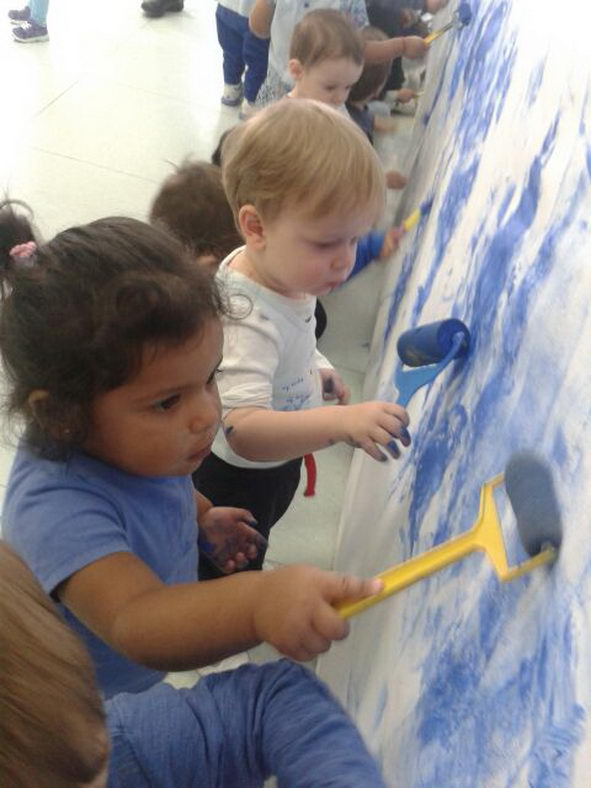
{"points": [[242, 50]]}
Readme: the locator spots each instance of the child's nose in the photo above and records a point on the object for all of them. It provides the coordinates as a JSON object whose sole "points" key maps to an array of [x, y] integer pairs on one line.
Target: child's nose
{"points": [[206, 412], [345, 257]]}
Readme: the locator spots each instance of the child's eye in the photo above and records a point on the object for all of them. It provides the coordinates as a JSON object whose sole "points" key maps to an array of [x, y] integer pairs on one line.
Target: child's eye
{"points": [[212, 377], [167, 404]]}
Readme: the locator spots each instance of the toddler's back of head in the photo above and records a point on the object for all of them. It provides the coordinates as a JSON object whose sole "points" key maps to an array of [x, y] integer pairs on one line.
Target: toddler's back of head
{"points": [[192, 205], [304, 156]]}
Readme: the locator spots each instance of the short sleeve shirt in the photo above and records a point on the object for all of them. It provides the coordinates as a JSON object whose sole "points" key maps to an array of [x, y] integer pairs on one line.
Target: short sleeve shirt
{"points": [[63, 516], [270, 358]]}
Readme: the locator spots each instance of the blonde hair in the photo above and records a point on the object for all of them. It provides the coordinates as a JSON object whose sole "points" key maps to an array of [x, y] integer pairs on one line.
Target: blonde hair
{"points": [[51, 715], [325, 35], [302, 154]]}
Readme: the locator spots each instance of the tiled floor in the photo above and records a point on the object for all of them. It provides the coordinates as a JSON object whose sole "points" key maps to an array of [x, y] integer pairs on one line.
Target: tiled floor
{"points": [[92, 122]]}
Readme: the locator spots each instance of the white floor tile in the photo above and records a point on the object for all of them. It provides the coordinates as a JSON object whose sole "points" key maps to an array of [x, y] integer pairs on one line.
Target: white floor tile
{"points": [[87, 124], [64, 192]]}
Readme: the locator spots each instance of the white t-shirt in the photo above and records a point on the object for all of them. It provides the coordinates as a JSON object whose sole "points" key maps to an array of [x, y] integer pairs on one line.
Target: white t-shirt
{"points": [[270, 355], [289, 12], [242, 7]]}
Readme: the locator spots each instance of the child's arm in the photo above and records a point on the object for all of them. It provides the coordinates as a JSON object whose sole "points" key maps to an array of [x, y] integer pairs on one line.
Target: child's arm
{"points": [[260, 18], [191, 624], [268, 435], [405, 46]]}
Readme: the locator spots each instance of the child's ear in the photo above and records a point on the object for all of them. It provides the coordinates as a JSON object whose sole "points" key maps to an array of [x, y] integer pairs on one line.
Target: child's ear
{"points": [[54, 420], [251, 226], [295, 69]]}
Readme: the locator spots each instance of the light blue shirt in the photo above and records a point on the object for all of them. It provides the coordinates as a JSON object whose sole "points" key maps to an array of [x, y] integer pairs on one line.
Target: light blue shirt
{"points": [[62, 516]]}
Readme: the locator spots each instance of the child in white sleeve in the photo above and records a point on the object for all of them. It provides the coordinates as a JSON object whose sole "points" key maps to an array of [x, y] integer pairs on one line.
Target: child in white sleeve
{"points": [[304, 185]]}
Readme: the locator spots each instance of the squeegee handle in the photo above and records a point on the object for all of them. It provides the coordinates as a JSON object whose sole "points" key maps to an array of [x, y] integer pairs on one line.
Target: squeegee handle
{"points": [[409, 572]]}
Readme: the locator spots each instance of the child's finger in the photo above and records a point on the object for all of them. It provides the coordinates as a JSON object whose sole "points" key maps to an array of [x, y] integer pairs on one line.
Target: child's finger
{"points": [[340, 587], [247, 517], [329, 624], [369, 447], [314, 643], [392, 447]]}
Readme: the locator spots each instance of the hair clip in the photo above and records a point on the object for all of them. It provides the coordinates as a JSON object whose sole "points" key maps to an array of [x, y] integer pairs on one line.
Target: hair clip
{"points": [[23, 252]]}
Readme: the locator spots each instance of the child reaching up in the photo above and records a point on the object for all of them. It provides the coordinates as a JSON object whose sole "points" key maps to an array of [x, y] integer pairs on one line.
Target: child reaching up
{"points": [[111, 338], [277, 19], [231, 729], [304, 185]]}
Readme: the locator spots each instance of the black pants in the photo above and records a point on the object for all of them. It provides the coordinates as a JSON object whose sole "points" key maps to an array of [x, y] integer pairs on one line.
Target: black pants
{"points": [[320, 315], [266, 492]]}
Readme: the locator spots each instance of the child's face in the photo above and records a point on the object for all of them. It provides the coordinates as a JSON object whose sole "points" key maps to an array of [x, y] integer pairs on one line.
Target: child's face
{"points": [[163, 421], [329, 81], [299, 255]]}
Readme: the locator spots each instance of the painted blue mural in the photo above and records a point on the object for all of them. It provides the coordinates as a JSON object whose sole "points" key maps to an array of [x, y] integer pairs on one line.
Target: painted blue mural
{"points": [[458, 680]]}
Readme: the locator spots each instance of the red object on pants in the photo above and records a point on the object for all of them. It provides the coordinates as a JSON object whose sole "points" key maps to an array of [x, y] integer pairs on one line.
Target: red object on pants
{"points": [[311, 474]]}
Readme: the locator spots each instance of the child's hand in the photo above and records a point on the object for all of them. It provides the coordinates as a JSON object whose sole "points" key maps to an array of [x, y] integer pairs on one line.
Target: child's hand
{"points": [[384, 125], [395, 180], [433, 6], [414, 47], [404, 95], [391, 242], [333, 386], [295, 612], [227, 539], [369, 423]]}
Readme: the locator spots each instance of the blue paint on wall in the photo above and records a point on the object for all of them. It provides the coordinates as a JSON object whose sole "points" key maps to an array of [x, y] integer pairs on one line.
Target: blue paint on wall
{"points": [[480, 683]]}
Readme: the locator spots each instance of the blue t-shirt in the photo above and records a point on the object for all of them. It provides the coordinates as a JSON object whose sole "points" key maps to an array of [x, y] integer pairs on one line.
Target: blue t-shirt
{"points": [[62, 516], [236, 729]]}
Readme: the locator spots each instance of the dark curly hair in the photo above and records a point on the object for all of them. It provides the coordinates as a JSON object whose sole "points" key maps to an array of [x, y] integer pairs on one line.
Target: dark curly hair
{"points": [[77, 314], [192, 205]]}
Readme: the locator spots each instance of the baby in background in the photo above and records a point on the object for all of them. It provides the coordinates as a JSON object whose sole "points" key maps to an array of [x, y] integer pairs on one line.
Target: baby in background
{"points": [[111, 338], [304, 185], [277, 19], [231, 729], [325, 58], [192, 205], [326, 63]]}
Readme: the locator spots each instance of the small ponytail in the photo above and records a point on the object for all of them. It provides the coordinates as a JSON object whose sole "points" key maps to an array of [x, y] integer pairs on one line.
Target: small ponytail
{"points": [[17, 239]]}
